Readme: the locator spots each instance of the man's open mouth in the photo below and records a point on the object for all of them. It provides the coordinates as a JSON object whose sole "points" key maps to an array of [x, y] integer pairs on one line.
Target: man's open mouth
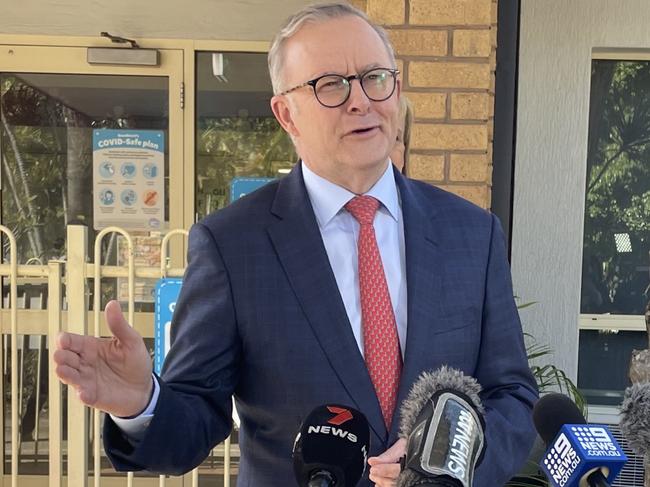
{"points": [[364, 130]]}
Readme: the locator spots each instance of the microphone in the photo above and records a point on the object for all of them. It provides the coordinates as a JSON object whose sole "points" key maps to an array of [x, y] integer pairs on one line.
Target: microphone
{"points": [[635, 417], [578, 454], [442, 422], [331, 448]]}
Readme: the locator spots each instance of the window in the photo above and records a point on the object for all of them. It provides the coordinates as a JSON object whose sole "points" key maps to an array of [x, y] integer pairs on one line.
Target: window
{"points": [[237, 135], [616, 243], [46, 142]]}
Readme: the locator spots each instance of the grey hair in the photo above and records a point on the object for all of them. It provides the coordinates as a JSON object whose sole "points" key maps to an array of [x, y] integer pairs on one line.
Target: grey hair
{"points": [[315, 14]]}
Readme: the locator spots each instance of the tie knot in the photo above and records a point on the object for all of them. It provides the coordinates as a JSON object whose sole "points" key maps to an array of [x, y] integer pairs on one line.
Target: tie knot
{"points": [[363, 208]]}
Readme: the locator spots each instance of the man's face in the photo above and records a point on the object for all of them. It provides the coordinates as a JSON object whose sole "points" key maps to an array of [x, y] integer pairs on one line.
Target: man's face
{"points": [[349, 143]]}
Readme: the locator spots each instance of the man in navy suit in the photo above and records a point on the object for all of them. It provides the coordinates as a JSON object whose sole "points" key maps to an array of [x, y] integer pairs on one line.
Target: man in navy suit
{"points": [[272, 310]]}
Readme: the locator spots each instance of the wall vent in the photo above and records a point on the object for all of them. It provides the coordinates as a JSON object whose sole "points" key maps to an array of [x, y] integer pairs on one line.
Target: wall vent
{"points": [[633, 471]]}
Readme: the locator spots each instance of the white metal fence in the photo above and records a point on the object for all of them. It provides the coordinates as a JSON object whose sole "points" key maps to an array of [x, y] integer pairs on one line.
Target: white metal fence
{"points": [[42, 300]]}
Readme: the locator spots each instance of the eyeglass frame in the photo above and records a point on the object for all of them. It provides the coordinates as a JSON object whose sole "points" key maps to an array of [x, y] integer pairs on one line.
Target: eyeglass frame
{"points": [[312, 82]]}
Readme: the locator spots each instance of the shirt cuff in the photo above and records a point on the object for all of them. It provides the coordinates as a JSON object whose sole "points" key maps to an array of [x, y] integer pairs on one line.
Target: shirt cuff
{"points": [[135, 428]]}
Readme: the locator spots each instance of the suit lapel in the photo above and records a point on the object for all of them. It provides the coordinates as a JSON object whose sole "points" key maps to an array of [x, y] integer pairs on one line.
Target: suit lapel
{"points": [[423, 280], [299, 245]]}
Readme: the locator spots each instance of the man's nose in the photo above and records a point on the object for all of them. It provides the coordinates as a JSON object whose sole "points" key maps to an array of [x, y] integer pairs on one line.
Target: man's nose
{"points": [[358, 101]]}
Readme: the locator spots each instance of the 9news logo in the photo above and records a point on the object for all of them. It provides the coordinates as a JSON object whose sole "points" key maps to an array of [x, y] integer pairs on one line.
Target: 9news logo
{"points": [[579, 448], [596, 441], [561, 460]]}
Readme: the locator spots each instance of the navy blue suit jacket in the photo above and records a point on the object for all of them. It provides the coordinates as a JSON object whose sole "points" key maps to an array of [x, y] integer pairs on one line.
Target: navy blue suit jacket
{"points": [[260, 317]]}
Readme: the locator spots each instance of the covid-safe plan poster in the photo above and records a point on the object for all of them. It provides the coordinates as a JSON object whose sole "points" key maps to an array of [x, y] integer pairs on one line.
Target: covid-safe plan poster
{"points": [[128, 179]]}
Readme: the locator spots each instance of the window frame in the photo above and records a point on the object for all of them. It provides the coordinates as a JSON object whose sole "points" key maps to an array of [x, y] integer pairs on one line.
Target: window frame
{"points": [[614, 322]]}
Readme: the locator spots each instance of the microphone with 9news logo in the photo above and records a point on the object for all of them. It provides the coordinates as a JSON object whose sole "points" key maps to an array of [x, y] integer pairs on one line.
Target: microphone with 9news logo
{"points": [[578, 454], [331, 448]]}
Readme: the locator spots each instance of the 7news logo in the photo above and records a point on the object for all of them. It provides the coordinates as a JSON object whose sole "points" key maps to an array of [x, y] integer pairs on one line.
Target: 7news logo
{"points": [[341, 416]]}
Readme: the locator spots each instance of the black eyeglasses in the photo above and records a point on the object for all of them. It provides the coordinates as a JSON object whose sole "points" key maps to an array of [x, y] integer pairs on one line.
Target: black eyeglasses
{"points": [[333, 90]]}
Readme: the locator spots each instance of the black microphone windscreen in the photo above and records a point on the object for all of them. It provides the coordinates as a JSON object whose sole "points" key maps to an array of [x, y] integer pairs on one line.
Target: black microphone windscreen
{"points": [[409, 478], [429, 383], [553, 411], [635, 417], [333, 439], [442, 422]]}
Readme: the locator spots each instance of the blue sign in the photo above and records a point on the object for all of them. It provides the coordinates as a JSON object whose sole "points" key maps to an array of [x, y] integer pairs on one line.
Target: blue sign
{"points": [[578, 450], [166, 295], [153, 140], [242, 186]]}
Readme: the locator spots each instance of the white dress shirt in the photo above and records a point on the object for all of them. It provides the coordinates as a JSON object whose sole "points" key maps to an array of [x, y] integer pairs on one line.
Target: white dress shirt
{"points": [[340, 232]]}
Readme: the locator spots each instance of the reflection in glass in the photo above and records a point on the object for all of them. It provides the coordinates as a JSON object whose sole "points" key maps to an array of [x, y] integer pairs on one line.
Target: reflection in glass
{"points": [[604, 362], [46, 146], [237, 134], [616, 259]]}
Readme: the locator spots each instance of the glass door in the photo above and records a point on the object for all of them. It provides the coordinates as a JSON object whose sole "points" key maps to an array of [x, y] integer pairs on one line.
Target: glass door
{"points": [[96, 144], [56, 108]]}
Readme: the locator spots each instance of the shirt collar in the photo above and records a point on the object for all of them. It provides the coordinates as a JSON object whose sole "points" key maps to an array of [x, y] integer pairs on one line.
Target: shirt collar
{"points": [[328, 198]]}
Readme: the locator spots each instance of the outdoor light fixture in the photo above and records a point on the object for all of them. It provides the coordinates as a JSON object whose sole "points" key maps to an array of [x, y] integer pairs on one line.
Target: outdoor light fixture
{"points": [[122, 56]]}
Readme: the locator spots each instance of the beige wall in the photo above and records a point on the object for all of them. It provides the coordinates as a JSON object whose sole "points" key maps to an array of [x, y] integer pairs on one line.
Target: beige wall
{"points": [[446, 51], [558, 39], [192, 19]]}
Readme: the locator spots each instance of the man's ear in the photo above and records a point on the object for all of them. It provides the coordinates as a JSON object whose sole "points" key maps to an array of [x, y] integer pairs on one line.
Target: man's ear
{"points": [[283, 113]]}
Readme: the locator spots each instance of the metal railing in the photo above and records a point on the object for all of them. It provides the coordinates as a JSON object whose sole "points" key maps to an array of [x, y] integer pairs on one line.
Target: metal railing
{"points": [[61, 302]]}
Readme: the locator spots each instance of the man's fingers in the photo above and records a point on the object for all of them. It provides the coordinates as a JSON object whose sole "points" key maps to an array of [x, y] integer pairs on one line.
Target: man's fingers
{"points": [[87, 397], [70, 341], [68, 375], [66, 357], [383, 481], [386, 470], [392, 455], [117, 323]]}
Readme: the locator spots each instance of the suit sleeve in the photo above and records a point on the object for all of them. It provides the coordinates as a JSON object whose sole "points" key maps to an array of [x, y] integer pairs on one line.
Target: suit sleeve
{"points": [[194, 409], [509, 389]]}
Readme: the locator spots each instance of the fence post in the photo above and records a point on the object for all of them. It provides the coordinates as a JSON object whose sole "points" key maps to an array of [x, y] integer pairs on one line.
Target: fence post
{"points": [[77, 296], [55, 411], [13, 302]]}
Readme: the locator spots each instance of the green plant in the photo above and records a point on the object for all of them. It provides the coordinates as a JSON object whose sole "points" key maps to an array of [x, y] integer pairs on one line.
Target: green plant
{"points": [[549, 377]]}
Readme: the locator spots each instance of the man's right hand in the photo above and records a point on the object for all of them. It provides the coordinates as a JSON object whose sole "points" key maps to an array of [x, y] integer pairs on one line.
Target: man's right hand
{"points": [[111, 374]]}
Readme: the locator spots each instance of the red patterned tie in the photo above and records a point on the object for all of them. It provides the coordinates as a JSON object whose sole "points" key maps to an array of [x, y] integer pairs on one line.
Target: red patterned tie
{"points": [[380, 341]]}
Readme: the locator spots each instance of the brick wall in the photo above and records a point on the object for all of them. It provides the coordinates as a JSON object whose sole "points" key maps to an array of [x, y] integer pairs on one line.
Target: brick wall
{"points": [[446, 53]]}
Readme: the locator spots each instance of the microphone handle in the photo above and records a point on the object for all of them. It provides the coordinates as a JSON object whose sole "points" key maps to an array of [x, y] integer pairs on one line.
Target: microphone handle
{"points": [[321, 478], [437, 482], [597, 479]]}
